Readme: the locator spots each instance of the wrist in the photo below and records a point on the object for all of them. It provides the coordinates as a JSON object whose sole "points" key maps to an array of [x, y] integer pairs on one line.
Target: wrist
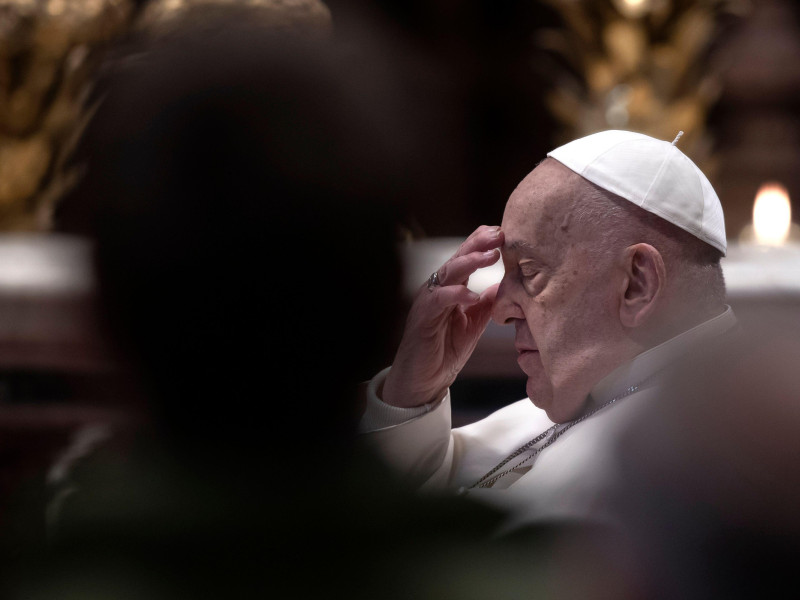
{"points": [[379, 415], [391, 393]]}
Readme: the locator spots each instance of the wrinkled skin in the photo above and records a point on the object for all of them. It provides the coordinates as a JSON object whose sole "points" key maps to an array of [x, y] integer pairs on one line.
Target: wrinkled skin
{"points": [[560, 294], [444, 325]]}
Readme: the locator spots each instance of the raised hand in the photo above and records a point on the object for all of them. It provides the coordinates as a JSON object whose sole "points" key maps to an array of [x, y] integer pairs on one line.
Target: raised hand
{"points": [[444, 325]]}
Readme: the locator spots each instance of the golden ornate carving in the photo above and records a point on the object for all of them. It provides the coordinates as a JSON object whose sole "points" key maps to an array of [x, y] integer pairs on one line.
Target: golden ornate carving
{"points": [[303, 16], [49, 53], [636, 64]]}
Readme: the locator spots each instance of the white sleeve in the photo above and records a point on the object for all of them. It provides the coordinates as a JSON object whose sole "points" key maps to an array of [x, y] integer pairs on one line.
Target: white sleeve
{"points": [[379, 415], [421, 446], [415, 441]]}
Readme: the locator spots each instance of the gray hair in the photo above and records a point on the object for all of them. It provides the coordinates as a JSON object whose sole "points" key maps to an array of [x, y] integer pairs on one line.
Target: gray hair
{"points": [[693, 266]]}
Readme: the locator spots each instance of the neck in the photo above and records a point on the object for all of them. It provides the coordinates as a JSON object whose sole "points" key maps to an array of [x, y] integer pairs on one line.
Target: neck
{"points": [[672, 324]]}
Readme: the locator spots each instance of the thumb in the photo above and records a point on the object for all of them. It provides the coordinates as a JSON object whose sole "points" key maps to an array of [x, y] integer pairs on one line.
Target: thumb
{"points": [[481, 311]]}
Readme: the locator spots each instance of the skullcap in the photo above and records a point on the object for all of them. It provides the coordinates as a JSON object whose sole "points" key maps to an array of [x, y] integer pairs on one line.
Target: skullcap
{"points": [[653, 174]]}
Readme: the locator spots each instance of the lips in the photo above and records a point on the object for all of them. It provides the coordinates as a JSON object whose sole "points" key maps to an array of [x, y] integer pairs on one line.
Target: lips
{"points": [[523, 340], [524, 353], [530, 362], [527, 353], [521, 345], [523, 349]]}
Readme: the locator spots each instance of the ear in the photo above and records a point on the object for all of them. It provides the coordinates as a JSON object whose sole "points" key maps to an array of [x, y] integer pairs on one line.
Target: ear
{"points": [[643, 285]]}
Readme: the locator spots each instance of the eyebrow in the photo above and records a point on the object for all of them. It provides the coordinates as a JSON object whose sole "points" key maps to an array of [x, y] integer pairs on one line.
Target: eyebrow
{"points": [[528, 251], [515, 245]]}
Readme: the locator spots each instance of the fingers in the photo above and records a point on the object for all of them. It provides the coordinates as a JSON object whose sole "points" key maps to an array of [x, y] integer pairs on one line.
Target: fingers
{"points": [[477, 306], [481, 310], [489, 294], [457, 270], [452, 295], [484, 238], [479, 250]]}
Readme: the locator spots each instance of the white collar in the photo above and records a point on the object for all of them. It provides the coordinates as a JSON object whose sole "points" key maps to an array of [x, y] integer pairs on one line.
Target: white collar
{"points": [[656, 358]]}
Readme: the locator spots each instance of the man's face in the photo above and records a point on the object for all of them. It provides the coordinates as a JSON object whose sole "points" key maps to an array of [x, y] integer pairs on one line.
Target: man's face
{"points": [[558, 292]]}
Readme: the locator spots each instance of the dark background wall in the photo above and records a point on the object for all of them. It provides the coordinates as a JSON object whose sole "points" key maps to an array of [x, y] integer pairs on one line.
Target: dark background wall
{"points": [[473, 64], [479, 60]]}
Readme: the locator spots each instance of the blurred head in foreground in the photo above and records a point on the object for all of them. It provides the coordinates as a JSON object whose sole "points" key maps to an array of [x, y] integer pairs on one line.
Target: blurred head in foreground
{"points": [[241, 186], [242, 189], [711, 475]]}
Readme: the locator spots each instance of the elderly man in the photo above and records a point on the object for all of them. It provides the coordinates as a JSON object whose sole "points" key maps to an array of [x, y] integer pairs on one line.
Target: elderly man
{"points": [[611, 248]]}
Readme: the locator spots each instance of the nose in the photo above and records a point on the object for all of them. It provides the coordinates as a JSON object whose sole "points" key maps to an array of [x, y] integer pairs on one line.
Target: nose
{"points": [[505, 309]]}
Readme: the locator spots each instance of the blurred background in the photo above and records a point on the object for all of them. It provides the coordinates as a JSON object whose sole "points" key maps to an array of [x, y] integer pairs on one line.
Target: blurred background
{"points": [[498, 83], [517, 77]]}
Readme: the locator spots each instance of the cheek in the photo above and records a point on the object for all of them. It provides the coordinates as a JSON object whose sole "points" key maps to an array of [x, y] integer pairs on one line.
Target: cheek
{"points": [[563, 322], [570, 311], [548, 329]]}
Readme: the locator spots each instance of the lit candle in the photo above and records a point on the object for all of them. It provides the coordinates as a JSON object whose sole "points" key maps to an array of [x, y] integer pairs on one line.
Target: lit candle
{"points": [[772, 217], [633, 8], [766, 259]]}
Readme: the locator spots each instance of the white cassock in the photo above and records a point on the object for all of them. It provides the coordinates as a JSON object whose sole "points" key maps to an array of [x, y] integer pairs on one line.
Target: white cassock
{"points": [[572, 477]]}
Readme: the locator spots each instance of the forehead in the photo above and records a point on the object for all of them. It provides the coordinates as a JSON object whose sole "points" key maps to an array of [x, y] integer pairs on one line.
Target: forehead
{"points": [[540, 213]]}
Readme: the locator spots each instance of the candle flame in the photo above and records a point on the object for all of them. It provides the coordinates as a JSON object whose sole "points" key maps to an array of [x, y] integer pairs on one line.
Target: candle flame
{"points": [[772, 214], [633, 8]]}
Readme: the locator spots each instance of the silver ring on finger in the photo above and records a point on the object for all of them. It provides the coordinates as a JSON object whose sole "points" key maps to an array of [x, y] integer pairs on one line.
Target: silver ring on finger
{"points": [[433, 281]]}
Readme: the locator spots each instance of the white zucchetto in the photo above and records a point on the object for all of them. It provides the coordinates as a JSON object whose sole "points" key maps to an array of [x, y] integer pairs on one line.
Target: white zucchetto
{"points": [[653, 174]]}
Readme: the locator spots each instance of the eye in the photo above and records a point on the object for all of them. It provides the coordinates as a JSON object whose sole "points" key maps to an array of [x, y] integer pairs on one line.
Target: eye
{"points": [[532, 277], [528, 269]]}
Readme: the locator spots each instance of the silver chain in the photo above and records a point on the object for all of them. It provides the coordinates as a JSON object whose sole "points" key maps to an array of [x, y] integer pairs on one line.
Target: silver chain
{"points": [[490, 478]]}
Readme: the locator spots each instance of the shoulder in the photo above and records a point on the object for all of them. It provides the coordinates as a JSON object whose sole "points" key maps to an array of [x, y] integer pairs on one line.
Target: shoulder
{"points": [[479, 446], [518, 415], [505, 429]]}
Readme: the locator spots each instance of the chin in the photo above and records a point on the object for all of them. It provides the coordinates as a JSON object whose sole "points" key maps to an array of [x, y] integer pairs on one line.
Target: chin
{"points": [[558, 409], [540, 394], [557, 414]]}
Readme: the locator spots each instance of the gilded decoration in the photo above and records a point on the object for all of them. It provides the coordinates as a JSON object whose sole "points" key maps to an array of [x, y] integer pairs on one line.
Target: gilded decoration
{"points": [[49, 52], [636, 64]]}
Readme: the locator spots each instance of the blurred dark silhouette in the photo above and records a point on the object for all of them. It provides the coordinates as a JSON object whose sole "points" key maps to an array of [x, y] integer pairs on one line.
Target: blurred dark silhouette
{"points": [[240, 188], [480, 61], [711, 473], [244, 190], [708, 479]]}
